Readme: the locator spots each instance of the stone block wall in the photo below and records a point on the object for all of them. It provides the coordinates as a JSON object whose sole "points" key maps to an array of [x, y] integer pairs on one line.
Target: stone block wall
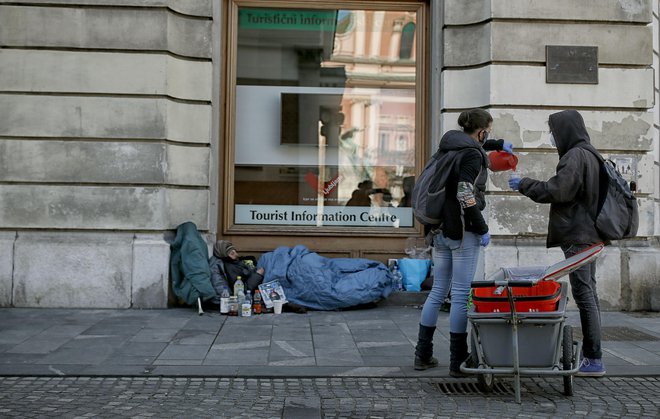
{"points": [[109, 129], [494, 57], [105, 145]]}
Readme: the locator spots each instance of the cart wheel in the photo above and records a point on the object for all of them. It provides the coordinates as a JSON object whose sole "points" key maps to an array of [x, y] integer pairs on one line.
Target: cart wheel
{"points": [[567, 358], [486, 382]]}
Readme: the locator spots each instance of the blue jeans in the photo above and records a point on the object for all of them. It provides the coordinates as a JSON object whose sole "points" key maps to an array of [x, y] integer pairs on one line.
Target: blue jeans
{"points": [[454, 265], [583, 286]]}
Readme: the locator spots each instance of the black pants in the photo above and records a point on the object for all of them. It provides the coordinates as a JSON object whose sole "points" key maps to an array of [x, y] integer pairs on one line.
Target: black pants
{"points": [[583, 285]]}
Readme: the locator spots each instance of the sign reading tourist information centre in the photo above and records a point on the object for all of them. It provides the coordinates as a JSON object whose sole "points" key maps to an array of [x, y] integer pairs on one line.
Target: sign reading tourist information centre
{"points": [[326, 216]]}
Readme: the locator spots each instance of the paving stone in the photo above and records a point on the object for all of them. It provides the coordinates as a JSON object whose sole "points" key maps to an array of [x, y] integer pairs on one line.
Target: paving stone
{"points": [[235, 346], [338, 357], [184, 352], [237, 357], [281, 349], [380, 335], [194, 337], [152, 334], [287, 332], [78, 355], [39, 345]]}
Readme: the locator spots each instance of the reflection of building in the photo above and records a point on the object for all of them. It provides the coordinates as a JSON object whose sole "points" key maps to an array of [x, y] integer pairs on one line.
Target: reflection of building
{"points": [[120, 120], [377, 50], [350, 91]]}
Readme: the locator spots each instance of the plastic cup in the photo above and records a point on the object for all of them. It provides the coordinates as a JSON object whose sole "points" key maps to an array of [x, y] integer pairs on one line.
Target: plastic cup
{"points": [[277, 306]]}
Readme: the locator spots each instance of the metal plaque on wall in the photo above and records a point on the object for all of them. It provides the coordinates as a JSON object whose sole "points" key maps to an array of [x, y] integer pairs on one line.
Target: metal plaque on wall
{"points": [[571, 64]]}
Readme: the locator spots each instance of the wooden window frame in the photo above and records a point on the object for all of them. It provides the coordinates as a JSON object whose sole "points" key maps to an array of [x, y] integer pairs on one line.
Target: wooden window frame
{"points": [[228, 111]]}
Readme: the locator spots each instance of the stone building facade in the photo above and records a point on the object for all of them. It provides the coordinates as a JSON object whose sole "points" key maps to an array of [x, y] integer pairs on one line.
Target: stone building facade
{"points": [[114, 116]]}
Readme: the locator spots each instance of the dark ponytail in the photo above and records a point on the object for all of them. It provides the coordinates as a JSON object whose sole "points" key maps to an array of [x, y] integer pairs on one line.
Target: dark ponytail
{"points": [[474, 120]]}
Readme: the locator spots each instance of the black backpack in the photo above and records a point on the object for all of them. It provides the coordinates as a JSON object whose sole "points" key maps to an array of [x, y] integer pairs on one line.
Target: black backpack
{"points": [[428, 196], [617, 216]]}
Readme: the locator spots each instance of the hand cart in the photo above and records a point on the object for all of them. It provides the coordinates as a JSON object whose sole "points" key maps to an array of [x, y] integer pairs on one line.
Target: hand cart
{"points": [[526, 307]]}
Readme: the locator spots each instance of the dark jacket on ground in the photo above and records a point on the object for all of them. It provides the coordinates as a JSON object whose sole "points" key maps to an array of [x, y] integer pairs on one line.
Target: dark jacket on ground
{"points": [[189, 266], [573, 192], [472, 168]]}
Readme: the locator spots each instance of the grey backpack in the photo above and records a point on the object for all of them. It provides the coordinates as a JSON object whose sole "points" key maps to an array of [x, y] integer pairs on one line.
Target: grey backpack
{"points": [[618, 216], [428, 196]]}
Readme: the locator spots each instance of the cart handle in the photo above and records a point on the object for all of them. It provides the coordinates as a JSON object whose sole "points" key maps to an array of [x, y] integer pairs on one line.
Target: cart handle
{"points": [[504, 283]]}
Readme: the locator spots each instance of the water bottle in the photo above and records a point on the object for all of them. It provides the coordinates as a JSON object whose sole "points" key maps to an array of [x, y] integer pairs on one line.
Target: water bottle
{"points": [[224, 301], [246, 307], [239, 292], [398, 279], [239, 287]]}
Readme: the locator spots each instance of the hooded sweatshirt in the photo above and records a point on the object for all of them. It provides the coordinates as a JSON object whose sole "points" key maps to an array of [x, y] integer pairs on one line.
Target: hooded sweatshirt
{"points": [[573, 192], [466, 186]]}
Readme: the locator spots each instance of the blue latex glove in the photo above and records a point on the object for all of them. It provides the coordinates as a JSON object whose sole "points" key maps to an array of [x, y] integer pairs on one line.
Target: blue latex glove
{"points": [[508, 147], [485, 239], [514, 183]]}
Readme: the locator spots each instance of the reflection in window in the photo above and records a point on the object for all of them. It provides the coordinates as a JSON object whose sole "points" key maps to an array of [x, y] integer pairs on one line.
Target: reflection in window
{"points": [[402, 143], [407, 39], [316, 127], [344, 22], [384, 140]]}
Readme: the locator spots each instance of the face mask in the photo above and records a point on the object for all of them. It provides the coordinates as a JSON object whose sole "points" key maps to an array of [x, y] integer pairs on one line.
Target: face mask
{"points": [[552, 140], [486, 135]]}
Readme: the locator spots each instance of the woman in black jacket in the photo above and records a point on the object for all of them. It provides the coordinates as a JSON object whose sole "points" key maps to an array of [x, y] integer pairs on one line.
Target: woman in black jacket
{"points": [[457, 240]]}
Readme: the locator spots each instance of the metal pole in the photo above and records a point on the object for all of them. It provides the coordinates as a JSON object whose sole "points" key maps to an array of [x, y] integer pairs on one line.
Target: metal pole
{"points": [[514, 338]]}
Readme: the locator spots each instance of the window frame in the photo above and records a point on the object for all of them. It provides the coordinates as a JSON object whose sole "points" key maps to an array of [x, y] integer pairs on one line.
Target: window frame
{"points": [[227, 148]]}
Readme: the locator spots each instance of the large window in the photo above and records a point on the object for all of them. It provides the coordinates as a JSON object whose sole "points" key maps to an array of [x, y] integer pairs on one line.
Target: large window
{"points": [[325, 120]]}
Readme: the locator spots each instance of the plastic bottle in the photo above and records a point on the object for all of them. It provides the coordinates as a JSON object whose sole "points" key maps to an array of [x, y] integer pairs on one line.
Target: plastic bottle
{"points": [[233, 306], [246, 307], [224, 301], [256, 306], [398, 279], [239, 289]]}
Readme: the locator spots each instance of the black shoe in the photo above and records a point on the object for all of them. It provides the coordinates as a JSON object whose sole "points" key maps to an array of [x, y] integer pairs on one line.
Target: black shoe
{"points": [[424, 349], [458, 352], [421, 364]]}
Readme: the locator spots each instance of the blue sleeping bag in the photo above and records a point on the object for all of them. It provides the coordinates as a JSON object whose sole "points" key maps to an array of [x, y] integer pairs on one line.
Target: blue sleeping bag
{"points": [[321, 283]]}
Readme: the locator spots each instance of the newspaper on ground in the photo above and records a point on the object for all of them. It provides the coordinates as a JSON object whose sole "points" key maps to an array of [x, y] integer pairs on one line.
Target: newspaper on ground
{"points": [[272, 291]]}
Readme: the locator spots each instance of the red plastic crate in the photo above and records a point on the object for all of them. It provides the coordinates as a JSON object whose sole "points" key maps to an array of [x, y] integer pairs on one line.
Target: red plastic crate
{"points": [[543, 296]]}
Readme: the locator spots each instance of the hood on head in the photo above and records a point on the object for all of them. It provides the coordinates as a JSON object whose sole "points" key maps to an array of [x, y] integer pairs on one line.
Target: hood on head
{"points": [[222, 249], [568, 129]]}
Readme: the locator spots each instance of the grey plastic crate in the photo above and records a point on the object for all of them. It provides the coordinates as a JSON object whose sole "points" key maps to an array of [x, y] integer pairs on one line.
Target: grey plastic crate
{"points": [[538, 336]]}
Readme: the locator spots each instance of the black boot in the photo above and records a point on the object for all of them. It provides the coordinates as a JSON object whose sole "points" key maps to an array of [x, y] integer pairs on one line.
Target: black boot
{"points": [[458, 352], [424, 349]]}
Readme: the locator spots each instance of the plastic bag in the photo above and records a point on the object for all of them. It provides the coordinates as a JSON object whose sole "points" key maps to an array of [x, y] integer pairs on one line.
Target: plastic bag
{"points": [[414, 272]]}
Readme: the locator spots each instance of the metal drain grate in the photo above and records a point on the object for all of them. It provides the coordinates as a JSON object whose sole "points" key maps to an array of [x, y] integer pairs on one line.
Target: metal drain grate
{"points": [[620, 334], [470, 387]]}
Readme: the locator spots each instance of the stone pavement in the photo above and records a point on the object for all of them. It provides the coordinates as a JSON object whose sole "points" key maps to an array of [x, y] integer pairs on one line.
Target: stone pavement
{"points": [[351, 364], [376, 342], [310, 398]]}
